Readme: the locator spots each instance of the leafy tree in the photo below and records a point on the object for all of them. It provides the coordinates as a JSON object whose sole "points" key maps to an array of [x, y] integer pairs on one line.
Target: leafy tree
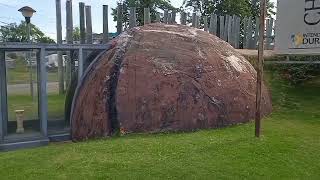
{"points": [[154, 6], [242, 8], [18, 33], [76, 34]]}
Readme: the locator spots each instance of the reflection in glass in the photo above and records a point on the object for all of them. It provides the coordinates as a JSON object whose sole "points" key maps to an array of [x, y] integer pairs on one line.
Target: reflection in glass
{"points": [[22, 88]]}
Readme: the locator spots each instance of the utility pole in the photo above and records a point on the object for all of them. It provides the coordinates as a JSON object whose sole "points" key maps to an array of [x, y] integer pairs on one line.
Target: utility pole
{"points": [[260, 68], [59, 41]]}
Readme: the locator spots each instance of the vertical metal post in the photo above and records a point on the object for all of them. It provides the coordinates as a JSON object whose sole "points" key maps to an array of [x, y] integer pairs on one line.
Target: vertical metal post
{"points": [[173, 17], [69, 26], [183, 18], [205, 21], [80, 64], [256, 33], [105, 24], [3, 96], [69, 22], [221, 35], [213, 24], [88, 25], [229, 29], [119, 19], [269, 32], [132, 17], [237, 32], [234, 30], [59, 41], [146, 17], [82, 23], [165, 16], [169, 18], [194, 19], [245, 33], [158, 17], [249, 35], [197, 21], [226, 28], [28, 56], [260, 68], [43, 101]]}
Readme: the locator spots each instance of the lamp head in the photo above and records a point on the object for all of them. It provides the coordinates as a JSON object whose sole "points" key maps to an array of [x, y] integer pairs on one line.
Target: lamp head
{"points": [[27, 12]]}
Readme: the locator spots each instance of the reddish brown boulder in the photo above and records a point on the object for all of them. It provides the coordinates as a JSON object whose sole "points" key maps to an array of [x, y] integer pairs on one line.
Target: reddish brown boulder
{"points": [[165, 78]]}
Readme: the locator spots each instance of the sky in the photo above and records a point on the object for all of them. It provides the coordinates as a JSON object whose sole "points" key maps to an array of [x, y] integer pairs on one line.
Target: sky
{"points": [[45, 17]]}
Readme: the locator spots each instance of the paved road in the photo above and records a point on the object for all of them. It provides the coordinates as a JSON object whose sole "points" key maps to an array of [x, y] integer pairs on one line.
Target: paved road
{"points": [[19, 89]]}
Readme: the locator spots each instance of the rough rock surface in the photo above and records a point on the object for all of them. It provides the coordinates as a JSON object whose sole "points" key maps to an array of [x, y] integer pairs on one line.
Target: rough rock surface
{"points": [[165, 78]]}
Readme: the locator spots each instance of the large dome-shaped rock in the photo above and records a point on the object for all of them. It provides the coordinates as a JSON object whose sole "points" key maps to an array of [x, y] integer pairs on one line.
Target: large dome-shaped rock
{"points": [[165, 78]]}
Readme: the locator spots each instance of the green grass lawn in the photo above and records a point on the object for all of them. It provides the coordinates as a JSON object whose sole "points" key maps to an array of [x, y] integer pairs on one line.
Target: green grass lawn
{"points": [[24, 102], [21, 73], [288, 149]]}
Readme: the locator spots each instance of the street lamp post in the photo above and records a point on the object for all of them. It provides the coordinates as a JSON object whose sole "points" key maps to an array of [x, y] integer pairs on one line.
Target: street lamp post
{"points": [[27, 12]]}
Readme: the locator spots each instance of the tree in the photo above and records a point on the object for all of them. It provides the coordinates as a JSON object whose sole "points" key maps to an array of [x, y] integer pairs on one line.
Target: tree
{"points": [[76, 34], [242, 8], [18, 33], [154, 6]]}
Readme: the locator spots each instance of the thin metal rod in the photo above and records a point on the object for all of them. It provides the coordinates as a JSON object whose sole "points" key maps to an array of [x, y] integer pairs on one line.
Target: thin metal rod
{"points": [[260, 68], [80, 64], [28, 57]]}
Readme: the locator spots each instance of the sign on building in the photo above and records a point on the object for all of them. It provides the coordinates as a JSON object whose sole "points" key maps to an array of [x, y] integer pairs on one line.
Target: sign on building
{"points": [[298, 27]]}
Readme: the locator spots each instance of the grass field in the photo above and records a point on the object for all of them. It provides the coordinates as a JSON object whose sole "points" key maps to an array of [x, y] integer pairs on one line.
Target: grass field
{"points": [[288, 149], [24, 102], [21, 73]]}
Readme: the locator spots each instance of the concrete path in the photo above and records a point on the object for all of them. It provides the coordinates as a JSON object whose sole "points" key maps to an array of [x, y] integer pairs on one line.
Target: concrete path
{"points": [[253, 52], [20, 89]]}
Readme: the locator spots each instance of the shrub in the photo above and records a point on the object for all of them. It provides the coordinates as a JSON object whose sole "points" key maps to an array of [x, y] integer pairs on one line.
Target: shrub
{"points": [[295, 73]]}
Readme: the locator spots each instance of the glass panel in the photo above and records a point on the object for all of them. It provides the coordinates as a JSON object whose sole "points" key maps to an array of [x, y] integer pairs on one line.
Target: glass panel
{"points": [[22, 88], [57, 91]]}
